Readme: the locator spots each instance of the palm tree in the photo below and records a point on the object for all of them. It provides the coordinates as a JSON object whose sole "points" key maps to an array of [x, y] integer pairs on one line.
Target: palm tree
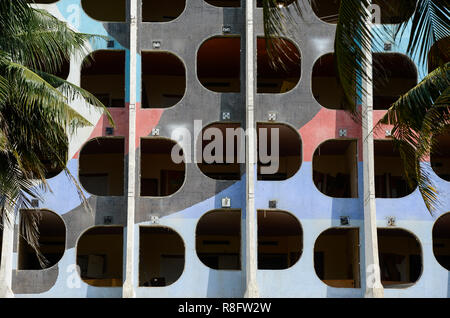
{"points": [[420, 113], [35, 116]]}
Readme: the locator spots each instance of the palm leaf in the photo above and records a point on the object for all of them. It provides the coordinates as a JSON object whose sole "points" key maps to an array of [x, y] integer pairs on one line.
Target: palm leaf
{"points": [[416, 117]]}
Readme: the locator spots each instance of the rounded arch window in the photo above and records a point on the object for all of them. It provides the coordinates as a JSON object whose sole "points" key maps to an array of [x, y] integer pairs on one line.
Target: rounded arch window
{"points": [[400, 256], [161, 256], [280, 239], [279, 151], [218, 239], [51, 240], [441, 240]]}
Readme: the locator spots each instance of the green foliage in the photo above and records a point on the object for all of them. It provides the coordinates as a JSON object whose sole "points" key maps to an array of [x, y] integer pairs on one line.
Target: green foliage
{"points": [[35, 115]]}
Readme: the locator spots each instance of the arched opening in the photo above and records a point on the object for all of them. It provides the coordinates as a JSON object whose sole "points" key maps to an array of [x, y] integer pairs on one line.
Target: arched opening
{"points": [[440, 155], [390, 180], [163, 79], [101, 169], [283, 76], [157, 11], [100, 256], [325, 87], [105, 10], [160, 175], [280, 239], [400, 257], [52, 240], [103, 75], [224, 3], [336, 257], [392, 12], [335, 168], [279, 151], [222, 151], [394, 74], [441, 240], [218, 64], [218, 239], [161, 256], [439, 54]]}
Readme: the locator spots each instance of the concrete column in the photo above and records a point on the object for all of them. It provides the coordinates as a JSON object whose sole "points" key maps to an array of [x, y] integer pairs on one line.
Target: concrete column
{"points": [[374, 289], [251, 247], [128, 287], [7, 258]]}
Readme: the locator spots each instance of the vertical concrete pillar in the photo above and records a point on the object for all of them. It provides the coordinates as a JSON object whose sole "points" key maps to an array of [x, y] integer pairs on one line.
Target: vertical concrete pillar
{"points": [[251, 247], [129, 284], [7, 258], [374, 289]]}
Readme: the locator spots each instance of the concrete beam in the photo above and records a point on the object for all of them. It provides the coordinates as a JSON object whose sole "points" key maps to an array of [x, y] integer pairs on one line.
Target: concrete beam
{"points": [[251, 246], [374, 289], [129, 284], [7, 257]]}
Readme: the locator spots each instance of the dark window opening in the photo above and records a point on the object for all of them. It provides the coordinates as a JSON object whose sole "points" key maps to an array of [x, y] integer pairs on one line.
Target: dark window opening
{"points": [[336, 257], [163, 79], [224, 3], [103, 75], [279, 3], [280, 240], [102, 166], [393, 75], [335, 168], [439, 54], [160, 176], [390, 180], [156, 11], [161, 256], [441, 240], [282, 76], [325, 87], [221, 168], [289, 146], [440, 155], [392, 12], [400, 258], [218, 64], [52, 240], [105, 10], [218, 239], [100, 256]]}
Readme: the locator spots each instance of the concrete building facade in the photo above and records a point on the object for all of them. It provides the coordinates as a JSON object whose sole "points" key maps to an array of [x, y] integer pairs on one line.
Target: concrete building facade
{"points": [[159, 228]]}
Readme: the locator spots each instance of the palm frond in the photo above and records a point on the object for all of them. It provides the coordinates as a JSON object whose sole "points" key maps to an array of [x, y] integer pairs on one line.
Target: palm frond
{"points": [[37, 39], [278, 19], [419, 114], [35, 114], [354, 38], [29, 231], [429, 24]]}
